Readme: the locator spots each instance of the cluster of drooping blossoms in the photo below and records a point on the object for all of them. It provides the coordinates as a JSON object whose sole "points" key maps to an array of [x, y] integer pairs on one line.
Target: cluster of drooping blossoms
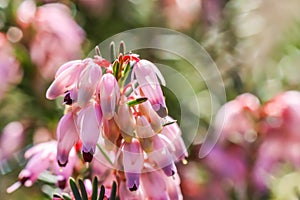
{"points": [[120, 108], [42, 157]]}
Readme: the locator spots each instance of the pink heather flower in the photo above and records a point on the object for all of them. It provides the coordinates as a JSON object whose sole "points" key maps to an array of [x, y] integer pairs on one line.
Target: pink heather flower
{"points": [[65, 79], [110, 132], [89, 120], [125, 120], [42, 157], [154, 185], [54, 43], [11, 139], [175, 145], [279, 128], [10, 72], [67, 136], [88, 81], [143, 128], [155, 120], [145, 73], [133, 159], [161, 156], [173, 187], [109, 95], [244, 110], [125, 193]]}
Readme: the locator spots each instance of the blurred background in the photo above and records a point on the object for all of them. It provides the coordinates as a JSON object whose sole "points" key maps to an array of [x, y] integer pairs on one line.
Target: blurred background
{"points": [[255, 44]]}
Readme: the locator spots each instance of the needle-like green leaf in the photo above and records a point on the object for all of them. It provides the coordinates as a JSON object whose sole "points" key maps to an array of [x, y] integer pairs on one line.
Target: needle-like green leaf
{"points": [[74, 189], [83, 190], [95, 188]]}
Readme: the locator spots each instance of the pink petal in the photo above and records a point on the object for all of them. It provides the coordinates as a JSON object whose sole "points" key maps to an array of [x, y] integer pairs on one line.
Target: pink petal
{"points": [[89, 129], [88, 81], [64, 81], [152, 116], [109, 95], [67, 136], [149, 84]]}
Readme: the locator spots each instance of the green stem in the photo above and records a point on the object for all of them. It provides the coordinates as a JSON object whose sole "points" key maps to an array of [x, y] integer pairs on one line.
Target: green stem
{"points": [[105, 154]]}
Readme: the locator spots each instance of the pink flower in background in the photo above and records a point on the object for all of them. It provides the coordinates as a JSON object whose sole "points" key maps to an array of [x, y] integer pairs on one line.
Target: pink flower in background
{"points": [[281, 139], [42, 157], [236, 120], [11, 139], [185, 10], [53, 43], [10, 72]]}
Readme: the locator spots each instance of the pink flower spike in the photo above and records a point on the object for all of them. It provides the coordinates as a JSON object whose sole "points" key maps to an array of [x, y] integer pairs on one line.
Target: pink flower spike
{"points": [[64, 81], [109, 95], [133, 159], [88, 81], [89, 129], [67, 136], [149, 84]]}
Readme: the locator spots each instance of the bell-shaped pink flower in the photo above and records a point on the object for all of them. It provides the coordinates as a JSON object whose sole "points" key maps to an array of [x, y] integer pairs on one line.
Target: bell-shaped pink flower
{"points": [[67, 136], [133, 159], [155, 120], [109, 95], [153, 185], [63, 174], [110, 132], [65, 79], [146, 77], [173, 187], [175, 145], [143, 128], [88, 81], [161, 156], [125, 193], [125, 120], [89, 120], [40, 158]]}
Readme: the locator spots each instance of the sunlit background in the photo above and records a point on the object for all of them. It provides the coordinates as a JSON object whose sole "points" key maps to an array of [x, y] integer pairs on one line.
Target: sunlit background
{"points": [[255, 44]]}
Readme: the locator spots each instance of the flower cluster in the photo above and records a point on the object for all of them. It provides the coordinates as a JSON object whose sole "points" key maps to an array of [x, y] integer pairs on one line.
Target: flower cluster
{"points": [[119, 107], [42, 157], [53, 43], [251, 140]]}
